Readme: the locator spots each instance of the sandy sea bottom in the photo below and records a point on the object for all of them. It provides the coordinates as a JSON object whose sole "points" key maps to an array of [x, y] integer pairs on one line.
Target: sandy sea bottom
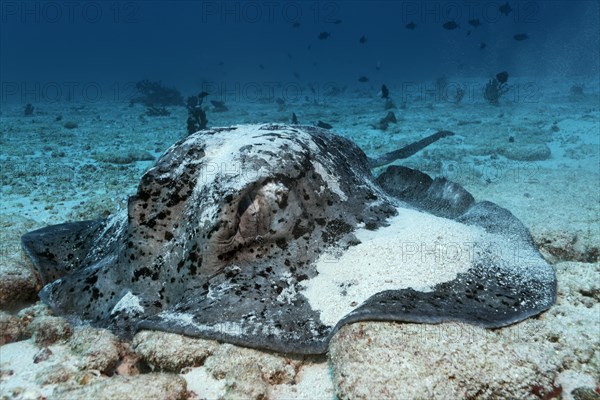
{"points": [[539, 159]]}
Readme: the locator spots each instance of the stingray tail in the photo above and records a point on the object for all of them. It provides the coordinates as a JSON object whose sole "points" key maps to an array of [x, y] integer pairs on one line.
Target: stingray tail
{"points": [[409, 150]]}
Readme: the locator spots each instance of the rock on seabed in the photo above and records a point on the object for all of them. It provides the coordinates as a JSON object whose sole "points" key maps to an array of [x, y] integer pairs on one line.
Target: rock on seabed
{"points": [[396, 360]]}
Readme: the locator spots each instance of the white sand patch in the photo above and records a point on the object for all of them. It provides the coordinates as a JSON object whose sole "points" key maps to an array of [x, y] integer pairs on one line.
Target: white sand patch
{"points": [[184, 319], [22, 376], [416, 251], [570, 380], [203, 385], [115, 225], [224, 158], [331, 181], [129, 303], [313, 381], [232, 328]]}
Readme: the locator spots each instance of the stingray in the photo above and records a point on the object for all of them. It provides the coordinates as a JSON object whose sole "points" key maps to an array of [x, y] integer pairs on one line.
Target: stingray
{"points": [[273, 237]]}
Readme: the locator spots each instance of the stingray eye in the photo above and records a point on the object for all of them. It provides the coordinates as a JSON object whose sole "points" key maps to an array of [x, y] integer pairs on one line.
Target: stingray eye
{"points": [[254, 216]]}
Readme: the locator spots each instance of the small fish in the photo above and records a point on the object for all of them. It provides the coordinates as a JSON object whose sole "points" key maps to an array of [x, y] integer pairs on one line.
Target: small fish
{"points": [[294, 119], [296, 75], [469, 32], [261, 66], [411, 25], [390, 117], [363, 79], [337, 21], [474, 23], [203, 94], [219, 106], [505, 9], [363, 39], [384, 92], [520, 37], [482, 45], [324, 125], [502, 77], [296, 25], [450, 25], [42, 355], [324, 35]]}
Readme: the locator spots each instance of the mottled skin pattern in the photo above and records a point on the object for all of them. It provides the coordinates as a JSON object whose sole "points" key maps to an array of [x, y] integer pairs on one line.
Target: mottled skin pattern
{"points": [[219, 236], [168, 256]]}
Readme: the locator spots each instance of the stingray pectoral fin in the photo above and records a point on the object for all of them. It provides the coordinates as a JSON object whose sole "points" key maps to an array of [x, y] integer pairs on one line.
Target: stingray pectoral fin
{"points": [[57, 250], [251, 319], [487, 297], [497, 220], [507, 281]]}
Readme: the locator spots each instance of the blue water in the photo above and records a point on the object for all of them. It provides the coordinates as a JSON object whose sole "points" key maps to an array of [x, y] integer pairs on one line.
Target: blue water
{"points": [[60, 50]]}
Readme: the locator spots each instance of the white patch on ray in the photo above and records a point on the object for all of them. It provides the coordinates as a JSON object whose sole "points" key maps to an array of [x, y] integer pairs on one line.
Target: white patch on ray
{"points": [[288, 294], [129, 304], [329, 179], [216, 292], [223, 159], [231, 328], [416, 250], [111, 232]]}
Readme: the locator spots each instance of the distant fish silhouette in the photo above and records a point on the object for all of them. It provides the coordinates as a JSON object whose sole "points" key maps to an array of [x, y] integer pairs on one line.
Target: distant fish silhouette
{"points": [[482, 45], [384, 92], [296, 25], [384, 122], [363, 39], [505, 9], [261, 66], [411, 25], [502, 77], [203, 94], [294, 119], [521, 36], [390, 117], [363, 79], [219, 106], [378, 65], [296, 75], [469, 32], [337, 21], [324, 35], [474, 23], [450, 25]]}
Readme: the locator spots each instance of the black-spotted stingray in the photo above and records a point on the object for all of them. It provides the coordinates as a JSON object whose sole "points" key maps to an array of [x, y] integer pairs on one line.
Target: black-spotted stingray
{"points": [[274, 236]]}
